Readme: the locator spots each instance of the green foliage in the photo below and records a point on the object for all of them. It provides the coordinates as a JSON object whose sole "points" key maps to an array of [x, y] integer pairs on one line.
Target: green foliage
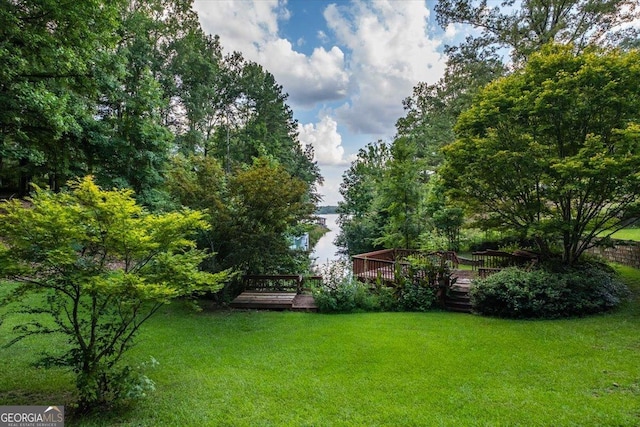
{"points": [[115, 88], [400, 196], [347, 296], [479, 241], [341, 292], [421, 282], [47, 53], [446, 218], [102, 266], [521, 29], [266, 201], [525, 29], [552, 150], [360, 221], [250, 212], [545, 293], [415, 296], [416, 288]]}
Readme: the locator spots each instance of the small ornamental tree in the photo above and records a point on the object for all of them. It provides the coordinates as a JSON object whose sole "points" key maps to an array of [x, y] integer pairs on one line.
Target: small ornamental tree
{"points": [[103, 266]]}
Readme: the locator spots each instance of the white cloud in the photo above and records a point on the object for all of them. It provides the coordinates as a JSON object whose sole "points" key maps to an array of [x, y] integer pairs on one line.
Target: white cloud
{"points": [[251, 27], [330, 189], [240, 23], [451, 31], [390, 53], [322, 36], [326, 141], [384, 51], [319, 77]]}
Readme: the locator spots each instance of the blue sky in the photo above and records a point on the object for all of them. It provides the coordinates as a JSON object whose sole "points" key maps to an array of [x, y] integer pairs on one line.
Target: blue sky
{"points": [[346, 65]]}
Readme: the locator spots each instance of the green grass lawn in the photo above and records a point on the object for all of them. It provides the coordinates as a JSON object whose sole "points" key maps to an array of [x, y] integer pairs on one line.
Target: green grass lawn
{"points": [[627, 234], [399, 369]]}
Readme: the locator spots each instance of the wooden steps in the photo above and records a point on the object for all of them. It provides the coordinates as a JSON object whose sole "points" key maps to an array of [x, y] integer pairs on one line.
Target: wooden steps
{"points": [[457, 298], [304, 302]]}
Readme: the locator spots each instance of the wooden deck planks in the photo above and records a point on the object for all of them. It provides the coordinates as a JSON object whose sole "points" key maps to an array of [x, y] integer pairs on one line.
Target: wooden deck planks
{"points": [[304, 302], [256, 299], [274, 301]]}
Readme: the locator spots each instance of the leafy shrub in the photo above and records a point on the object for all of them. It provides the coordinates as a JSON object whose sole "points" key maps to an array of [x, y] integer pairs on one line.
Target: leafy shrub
{"points": [[547, 292], [340, 292], [416, 297], [498, 242], [387, 299], [415, 289], [98, 266], [346, 296], [420, 283]]}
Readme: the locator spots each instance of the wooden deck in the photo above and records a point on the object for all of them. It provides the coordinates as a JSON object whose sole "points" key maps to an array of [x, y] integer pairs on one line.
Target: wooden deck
{"points": [[274, 301], [257, 299], [284, 292], [382, 265]]}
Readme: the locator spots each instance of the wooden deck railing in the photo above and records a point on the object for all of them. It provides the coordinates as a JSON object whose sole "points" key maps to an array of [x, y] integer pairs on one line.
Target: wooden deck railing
{"points": [[279, 283], [382, 264], [490, 261], [372, 269]]}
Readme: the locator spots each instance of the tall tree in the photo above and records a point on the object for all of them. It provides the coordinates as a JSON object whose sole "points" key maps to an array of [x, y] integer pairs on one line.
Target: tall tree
{"points": [[359, 219], [250, 210], [432, 109], [204, 90], [401, 196], [260, 123], [445, 218], [519, 28], [47, 53], [132, 144], [527, 28], [266, 201], [554, 149]]}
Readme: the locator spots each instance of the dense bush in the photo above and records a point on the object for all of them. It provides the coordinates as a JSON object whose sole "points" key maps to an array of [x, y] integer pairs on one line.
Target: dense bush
{"points": [[340, 292], [346, 296], [498, 242], [416, 286], [414, 290], [548, 292], [416, 297]]}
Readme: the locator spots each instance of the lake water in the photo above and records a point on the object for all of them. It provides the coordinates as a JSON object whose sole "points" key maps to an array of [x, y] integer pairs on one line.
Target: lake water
{"points": [[325, 250]]}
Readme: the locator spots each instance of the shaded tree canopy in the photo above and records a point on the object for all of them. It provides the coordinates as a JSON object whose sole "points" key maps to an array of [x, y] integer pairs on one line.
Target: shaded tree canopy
{"points": [[527, 25], [552, 150], [506, 34], [120, 89]]}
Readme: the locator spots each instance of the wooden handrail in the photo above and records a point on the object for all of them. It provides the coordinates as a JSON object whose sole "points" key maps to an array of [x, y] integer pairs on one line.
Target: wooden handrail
{"points": [[382, 264], [282, 283], [490, 261]]}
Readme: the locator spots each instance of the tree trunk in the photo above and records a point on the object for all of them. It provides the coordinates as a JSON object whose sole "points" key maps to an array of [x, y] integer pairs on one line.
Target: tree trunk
{"points": [[25, 179]]}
